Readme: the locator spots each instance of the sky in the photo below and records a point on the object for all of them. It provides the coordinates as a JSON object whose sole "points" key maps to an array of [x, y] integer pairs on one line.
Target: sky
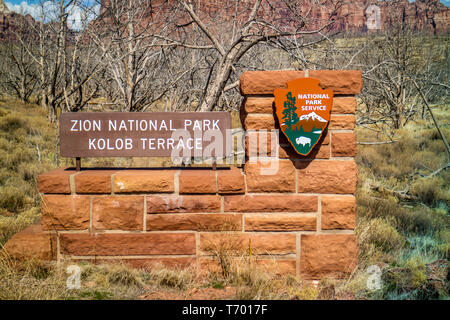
{"points": [[75, 17]]}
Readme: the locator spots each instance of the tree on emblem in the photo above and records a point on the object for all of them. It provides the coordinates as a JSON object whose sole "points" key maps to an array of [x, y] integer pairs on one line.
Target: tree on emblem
{"points": [[289, 116]]}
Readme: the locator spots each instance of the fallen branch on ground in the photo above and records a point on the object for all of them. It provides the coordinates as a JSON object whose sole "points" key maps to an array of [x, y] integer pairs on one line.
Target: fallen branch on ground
{"points": [[399, 194], [436, 171], [380, 142]]}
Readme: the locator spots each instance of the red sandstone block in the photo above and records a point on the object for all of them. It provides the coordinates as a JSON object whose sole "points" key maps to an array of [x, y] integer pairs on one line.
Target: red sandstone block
{"points": [[342, 122], [344, 105], [338, 212], [265, 82], [94, 181], [282, 138], [256, 243], [231, 181], [260, 144], [330, 255], [181, 204], [120, 244], [32, 243], [327, 176], [269, 266], [259, 105], [340, 81], [210, 265], [118, 212], [279, 222], [65, 212], [275, 176], [271, 203], [154, 181], [55, 181], [198, 181], [343, 144], [326, 138], [194, 221], [259, 122], [278, 266]]}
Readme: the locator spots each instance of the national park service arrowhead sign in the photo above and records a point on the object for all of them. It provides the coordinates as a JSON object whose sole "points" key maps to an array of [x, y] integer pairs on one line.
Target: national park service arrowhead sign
{"points": [[303, 111]]}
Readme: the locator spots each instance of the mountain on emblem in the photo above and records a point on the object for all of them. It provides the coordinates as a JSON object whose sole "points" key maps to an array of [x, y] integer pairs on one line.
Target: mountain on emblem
{"points": [[303, 111], [312, 116]]}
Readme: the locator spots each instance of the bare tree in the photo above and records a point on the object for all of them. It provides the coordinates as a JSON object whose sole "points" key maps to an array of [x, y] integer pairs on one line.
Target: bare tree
{"points": [[18, 70], [226, 33], [64, 60], [391, 63], [136, 55]]}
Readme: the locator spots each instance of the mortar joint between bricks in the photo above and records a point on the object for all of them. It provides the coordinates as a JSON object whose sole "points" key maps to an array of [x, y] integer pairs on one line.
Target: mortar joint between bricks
{"points": [[245, 180], [217, 181], [58, 250], [72, 185], [91, 214], [298, 253], [197, 245], [319, 215], [112, 183], [176, 183], [144, 222]]}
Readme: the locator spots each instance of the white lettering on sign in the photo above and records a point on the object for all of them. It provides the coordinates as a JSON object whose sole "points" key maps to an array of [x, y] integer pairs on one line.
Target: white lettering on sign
{"points": [[309, 108], [140, 125], [313, 96], [201, 125], [109, 144], [313, 105], [86, 125], [169, 144]]}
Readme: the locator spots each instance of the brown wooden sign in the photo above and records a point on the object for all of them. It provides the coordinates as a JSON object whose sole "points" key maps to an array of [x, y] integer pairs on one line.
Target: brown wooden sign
{"points": [[303, 110], [145, 134]]}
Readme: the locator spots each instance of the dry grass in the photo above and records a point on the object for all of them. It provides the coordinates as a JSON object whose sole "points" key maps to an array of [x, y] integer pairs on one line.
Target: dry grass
{"points": [[22, 280]]}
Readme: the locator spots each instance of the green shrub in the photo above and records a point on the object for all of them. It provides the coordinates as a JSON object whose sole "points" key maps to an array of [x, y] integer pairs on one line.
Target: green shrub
{"points": [[429, 191], [12, 198], [13, 224], [378, 234], [12, 122]]}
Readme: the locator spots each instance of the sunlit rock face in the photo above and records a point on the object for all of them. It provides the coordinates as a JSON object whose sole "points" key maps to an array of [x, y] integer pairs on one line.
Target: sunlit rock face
{"points": [[4, 8], [354, 16], [11, 22]]}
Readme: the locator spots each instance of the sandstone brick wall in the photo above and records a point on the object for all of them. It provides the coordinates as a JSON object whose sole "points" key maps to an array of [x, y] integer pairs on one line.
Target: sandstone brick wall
{"points": [[299, 220]]}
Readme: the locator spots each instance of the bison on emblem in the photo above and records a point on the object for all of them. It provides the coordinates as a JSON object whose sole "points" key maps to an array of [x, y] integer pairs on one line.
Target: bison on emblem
{"points": [[303, 141]]}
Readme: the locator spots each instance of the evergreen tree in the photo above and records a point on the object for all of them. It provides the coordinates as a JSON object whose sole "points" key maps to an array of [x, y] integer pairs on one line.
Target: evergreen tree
{"points": [[289, 116]]}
